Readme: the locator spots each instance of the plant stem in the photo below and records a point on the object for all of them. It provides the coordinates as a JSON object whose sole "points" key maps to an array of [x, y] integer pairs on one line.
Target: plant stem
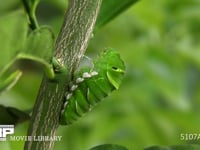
{"points": [[70, 46]]}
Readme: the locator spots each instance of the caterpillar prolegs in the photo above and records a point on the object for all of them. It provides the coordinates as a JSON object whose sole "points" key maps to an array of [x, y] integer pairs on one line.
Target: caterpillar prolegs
{"points": [[92, 85]]}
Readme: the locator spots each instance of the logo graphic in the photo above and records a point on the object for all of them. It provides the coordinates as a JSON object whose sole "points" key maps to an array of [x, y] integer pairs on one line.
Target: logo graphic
{"points": [[5, 130]]}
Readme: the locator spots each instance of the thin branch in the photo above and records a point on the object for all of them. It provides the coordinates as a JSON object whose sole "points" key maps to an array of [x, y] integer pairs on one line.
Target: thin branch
{"points": [[70, 46], [76, 31]]}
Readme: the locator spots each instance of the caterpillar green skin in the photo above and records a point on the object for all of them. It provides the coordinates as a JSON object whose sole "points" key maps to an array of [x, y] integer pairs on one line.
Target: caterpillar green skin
{"points": [[92, 85]]}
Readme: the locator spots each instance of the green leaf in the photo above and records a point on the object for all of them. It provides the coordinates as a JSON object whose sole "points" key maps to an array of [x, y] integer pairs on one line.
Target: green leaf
{"points": [[30, 7], [13, 29], [9, 82], [11, 115], [39, 48], [14, 46], [176, 147], [109, 147], [7, 6], [110, 9]]}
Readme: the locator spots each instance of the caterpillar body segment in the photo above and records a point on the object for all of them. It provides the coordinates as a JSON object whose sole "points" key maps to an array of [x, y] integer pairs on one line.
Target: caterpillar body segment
{"points": [[90, 86]]}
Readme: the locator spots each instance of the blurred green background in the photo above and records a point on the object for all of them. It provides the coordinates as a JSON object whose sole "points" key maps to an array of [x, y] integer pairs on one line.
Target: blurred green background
{"points": [[160, 96]]}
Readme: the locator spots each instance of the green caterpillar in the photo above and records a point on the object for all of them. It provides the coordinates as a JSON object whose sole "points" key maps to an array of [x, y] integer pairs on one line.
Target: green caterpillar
{"points": [[91, 85]]}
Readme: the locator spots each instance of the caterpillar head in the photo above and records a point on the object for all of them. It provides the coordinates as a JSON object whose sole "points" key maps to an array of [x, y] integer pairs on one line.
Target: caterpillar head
{"points": [[114, 67]]}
